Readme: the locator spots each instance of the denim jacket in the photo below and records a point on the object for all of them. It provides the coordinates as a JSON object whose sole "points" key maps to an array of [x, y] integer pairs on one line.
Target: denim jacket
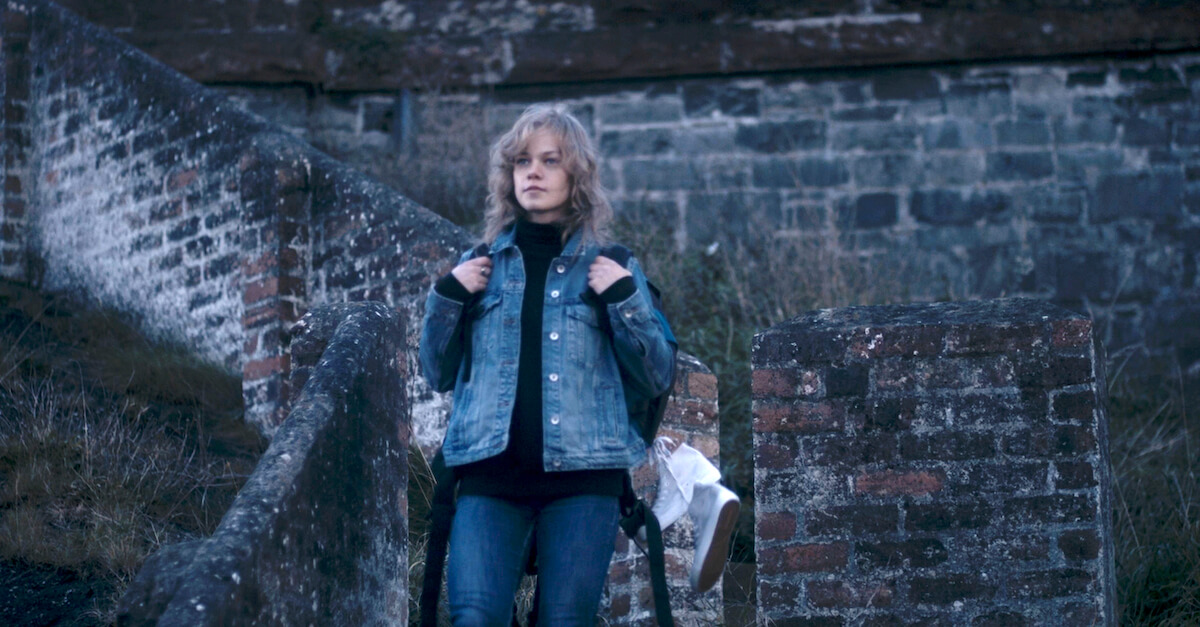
{"points": [[585, 422]]}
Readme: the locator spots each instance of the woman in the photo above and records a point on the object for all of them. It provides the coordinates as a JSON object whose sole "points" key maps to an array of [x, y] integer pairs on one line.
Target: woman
{"points": [[539, 338]]}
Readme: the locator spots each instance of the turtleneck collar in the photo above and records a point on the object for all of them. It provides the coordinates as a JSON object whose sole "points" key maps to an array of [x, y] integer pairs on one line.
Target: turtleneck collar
{"points": [[540, 236]]}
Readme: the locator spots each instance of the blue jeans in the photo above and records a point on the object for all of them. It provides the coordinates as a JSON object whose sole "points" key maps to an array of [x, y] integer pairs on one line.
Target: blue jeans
{"points": [[489, 544]]}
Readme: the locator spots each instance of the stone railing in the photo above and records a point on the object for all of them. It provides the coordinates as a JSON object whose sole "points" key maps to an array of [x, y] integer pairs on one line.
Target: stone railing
{"points": [[942, 463], [318, 535]]}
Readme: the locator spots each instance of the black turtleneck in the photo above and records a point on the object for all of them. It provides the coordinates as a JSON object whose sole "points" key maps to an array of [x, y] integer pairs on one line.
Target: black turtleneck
{"points": [[517, 473]]}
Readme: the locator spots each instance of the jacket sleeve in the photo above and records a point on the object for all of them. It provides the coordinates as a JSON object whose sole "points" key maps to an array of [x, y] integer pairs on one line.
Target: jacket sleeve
{"points": [[441, 350], [642, 341]]}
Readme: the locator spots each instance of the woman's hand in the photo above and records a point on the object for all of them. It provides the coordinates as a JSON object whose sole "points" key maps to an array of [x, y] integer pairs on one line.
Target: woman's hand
{"points": [[473, 273], [604, 272]]}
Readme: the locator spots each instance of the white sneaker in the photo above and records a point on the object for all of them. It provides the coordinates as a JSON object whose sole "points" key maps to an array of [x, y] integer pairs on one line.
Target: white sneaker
{"points": [[714, 511], [678, 474]]}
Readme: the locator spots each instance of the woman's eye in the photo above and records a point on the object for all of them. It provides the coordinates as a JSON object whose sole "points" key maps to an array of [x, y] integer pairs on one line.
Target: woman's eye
{"points": [[552, 161], [522, 161]]}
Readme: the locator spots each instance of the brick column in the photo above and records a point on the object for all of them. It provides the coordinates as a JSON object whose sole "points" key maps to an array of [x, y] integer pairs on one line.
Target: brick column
{"points": [[275, 258], [691, 417], [943, 463], [14, 128]]}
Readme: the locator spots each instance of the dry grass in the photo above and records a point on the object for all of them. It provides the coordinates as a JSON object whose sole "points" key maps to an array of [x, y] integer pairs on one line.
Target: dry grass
{"points": [[110, 447], [1156, 501]]}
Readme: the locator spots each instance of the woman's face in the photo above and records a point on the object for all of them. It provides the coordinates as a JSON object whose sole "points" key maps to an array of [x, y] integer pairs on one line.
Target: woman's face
{"points": [[540, 181]]}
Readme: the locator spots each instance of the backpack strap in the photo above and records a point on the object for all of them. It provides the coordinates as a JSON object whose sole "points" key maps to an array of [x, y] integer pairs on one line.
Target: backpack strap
{"points": [[634, 514], [482, 250], [441, 516]]}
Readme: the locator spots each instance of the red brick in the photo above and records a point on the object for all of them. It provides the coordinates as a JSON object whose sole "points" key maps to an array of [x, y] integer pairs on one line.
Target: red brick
{"points": [[981, 338], [619, 606], [263, 368], [251, 344], [181, 179], [1075, 407], [702, 385], [254, 267], [261, 289], [800, 416], [260, 315], [776, 525], [775, 454], [827, 594], [785, 383], [778, 595], [891, 483], [803, 558], [689, 412], [1079, 545], [904, 341], [1067, 333]]}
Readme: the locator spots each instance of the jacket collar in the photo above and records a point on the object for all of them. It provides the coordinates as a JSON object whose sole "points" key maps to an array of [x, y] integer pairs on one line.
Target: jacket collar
{"points": [[508, 239]]}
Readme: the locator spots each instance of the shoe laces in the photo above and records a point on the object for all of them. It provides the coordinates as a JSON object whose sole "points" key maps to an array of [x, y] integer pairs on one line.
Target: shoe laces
{"points": [[663, 446]]}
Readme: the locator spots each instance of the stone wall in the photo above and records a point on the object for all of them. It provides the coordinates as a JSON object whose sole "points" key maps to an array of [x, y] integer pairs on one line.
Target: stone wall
{"points": [[290, 550], [390, 44], [1070, 180], [933, 463]]}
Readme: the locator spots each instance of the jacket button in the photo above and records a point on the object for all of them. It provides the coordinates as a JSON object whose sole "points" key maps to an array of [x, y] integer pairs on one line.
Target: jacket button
{"points": [[554, 420], [554, 335], [554, 294], [628, 314], [561, 268], [557, 463], [553, 376]]}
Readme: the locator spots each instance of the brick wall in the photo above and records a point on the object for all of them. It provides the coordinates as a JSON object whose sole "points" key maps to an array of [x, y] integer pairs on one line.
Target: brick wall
{"points": [[944, 463], [14, 124], [152, 195]]}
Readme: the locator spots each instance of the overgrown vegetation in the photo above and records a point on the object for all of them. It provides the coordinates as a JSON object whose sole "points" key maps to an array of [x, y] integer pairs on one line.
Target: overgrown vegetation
{"points": [[1156, 498], [110, 446]]}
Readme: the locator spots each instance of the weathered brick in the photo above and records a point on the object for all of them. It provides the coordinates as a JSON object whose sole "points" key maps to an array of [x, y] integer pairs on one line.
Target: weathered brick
{"points": [[1074, 475], [777, 137], [983, 339], [947, 445], [1019, 166], [892, 483], [890, 414], [1000, 618], [914, 553], [948, 589], [799, 416], [803, 558], [1057, 441], [776, 454], [875, 136], [1079, 545], [839, 451], [1070, 333], [1055, 508], [1074, 407], [703, 99], [853, 520], [835, 593], [1050, 584], [947, 516], [785, 383], [775, 526], [263, 368]]}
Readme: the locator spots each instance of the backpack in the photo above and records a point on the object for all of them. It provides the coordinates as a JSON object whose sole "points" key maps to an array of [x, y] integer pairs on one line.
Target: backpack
{"points": [[645, 413]]}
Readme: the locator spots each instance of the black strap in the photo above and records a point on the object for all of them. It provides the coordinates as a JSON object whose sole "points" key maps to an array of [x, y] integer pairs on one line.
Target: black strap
{"points": [[482, 250], [634, 514], [441, 516]]}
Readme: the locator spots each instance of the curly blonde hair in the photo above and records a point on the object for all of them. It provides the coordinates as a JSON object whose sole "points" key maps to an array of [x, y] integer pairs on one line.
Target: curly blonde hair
{"points": [[588, 206]]}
